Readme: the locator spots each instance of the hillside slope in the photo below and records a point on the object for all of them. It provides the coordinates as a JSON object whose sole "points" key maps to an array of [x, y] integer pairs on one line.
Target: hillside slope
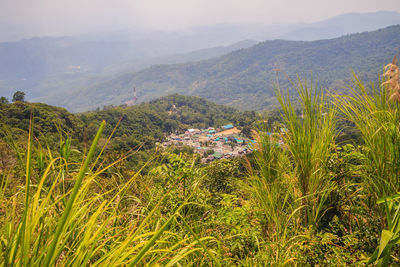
{"points": [[149, 122], [245, 78], [145, 123], [42, 66]]}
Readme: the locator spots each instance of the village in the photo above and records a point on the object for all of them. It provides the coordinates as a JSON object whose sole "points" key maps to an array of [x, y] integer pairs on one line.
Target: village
{"points": [[213, 143]]}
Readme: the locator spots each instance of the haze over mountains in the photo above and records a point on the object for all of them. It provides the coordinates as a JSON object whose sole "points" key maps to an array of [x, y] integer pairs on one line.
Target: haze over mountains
{"points": [[39, 65], [54, 70], [342, 25], [245, 78]]}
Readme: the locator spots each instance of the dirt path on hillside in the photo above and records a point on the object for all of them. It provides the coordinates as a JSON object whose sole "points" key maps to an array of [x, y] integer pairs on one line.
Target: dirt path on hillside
{"points": [[228, 132]]}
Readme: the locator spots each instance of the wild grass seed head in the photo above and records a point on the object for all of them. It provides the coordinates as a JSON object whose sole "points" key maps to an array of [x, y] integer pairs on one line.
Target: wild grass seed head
{"points": [[392, 74]]}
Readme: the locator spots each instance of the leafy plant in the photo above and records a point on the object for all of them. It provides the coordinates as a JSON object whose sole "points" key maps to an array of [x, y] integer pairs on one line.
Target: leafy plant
{"points": [[390, 238]]}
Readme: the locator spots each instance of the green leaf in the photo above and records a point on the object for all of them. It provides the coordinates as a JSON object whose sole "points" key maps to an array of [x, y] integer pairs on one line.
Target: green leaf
{"points": [[386, 236]]}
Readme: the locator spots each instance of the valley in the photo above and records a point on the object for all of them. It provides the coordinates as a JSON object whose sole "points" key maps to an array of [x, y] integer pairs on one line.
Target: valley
{"points": [[206, 133], [247, 79]]}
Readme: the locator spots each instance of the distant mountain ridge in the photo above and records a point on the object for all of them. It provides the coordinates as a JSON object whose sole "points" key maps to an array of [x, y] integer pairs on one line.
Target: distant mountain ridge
{"points": [[343, 24], [196, 55], [55, 64], [46, 66], [245, 78], [43, 57]]}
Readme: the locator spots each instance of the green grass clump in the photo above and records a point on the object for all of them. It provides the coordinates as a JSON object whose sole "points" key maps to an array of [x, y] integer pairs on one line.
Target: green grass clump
{"points": [[375, 112], [67, 219], [378, 119]]}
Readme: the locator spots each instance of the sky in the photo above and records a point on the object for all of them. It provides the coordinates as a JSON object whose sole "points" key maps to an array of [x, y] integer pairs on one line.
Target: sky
{"points": [[70, 17]]}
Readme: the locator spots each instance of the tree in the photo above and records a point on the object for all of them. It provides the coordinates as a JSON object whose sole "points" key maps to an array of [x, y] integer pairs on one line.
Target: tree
{"points": [[3, 100], [18, 96], [220, 176]]}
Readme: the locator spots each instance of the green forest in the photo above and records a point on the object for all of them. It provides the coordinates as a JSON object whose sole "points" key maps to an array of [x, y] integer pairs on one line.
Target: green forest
{"points": [[94, 189]]}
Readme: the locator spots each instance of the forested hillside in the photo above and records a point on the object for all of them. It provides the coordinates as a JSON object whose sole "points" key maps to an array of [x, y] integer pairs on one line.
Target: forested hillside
{"points": [[246, 78], [43, 66], [148, 123], [48, 121], [143, 124]]}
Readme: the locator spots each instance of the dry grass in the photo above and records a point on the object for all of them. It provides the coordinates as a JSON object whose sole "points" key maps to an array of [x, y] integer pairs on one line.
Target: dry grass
{"points": [[228, 132], [392, 73]]}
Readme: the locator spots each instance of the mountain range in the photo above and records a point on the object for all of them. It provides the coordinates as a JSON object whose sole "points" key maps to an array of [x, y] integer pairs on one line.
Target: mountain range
{"points": [[342, 25], [46, 65], [246, 78], [49, 68]]}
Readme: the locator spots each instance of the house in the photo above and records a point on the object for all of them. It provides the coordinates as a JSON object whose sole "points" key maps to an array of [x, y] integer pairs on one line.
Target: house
{"points": [[217, 155], [228, 126]]}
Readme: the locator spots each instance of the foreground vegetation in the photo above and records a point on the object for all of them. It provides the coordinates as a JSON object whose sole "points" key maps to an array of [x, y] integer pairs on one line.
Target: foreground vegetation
{"points": [[311, 201]]}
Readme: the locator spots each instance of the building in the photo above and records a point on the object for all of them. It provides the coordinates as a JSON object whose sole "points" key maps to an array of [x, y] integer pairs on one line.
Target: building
{"points": [[227, 127]]}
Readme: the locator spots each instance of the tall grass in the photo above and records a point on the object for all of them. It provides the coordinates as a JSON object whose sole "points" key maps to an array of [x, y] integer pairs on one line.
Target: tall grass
{"points": [[273, 195], [84, 225], [271, 190], [294, 186], [307, 140], [292, 182], [377, 118], [375, 111]]}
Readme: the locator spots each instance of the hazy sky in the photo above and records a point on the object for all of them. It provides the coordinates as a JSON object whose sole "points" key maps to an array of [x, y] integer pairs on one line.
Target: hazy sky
{"points": [[60, 17]]}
